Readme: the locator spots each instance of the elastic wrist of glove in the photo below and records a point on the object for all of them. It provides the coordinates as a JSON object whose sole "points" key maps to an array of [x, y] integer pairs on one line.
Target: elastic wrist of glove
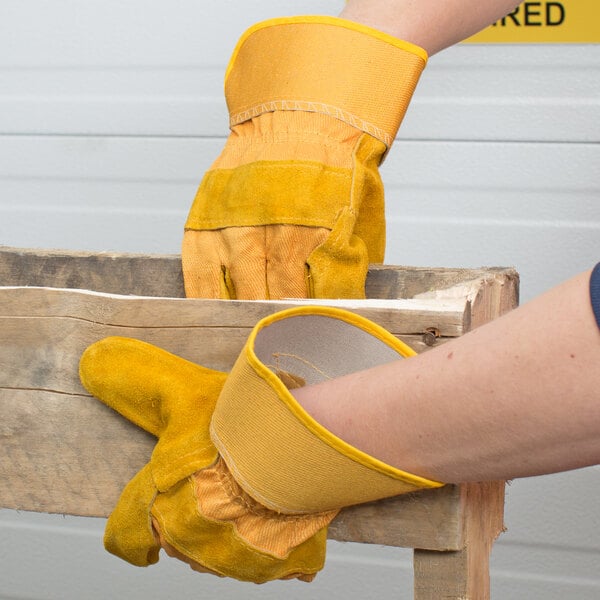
{"points": [[352, 72], [280, 455]]}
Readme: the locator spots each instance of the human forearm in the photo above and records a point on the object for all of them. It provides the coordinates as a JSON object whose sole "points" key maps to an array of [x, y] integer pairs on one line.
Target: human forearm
{"points": [[514, 398], [431, 24]]}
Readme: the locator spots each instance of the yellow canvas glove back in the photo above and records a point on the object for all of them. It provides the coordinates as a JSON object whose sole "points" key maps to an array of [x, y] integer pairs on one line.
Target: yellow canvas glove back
{"points": [[173, 399], [293, 206]]}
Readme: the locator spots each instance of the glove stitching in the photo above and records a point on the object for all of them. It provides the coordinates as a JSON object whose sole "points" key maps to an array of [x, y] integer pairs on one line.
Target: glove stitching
{"points": [[237, 495], [206, 446], [315, 165], [338, 237], [164, 472], [307, 106], [255, 141], [277, 367], [222, 224], [191, 553]]}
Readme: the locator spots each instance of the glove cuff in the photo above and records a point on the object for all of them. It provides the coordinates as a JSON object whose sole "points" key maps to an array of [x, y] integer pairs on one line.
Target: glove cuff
{"points": [[329, 65], [282, 457]]}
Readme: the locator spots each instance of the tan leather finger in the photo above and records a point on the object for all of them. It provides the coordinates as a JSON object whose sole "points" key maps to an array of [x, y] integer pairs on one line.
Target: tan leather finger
{"points": [[174, 553]]}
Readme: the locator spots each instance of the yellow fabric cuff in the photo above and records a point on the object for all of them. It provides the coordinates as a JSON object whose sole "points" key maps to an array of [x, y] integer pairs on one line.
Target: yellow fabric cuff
{"points": [[352, 72], [275, 450]]}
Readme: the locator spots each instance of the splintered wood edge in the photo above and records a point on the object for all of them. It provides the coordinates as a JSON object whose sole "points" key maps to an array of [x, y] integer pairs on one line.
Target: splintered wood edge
{"points": [[44, 331], [464, 573], [452, 315]]}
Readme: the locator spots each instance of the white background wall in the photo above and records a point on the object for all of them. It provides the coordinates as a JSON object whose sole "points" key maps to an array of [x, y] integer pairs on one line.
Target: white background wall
{"points": [[110, 112]]}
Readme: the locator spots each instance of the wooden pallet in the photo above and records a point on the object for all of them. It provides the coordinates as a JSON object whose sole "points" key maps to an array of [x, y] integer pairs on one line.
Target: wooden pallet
{"points": [[64, 452]]}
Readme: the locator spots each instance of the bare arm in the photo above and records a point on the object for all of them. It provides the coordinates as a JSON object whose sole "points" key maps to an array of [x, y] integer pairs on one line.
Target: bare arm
{"points": [[431, 24], [517, 397]]}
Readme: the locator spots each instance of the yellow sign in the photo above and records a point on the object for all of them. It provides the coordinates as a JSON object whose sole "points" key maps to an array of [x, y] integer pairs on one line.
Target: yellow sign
{"points": [[565, 22]]}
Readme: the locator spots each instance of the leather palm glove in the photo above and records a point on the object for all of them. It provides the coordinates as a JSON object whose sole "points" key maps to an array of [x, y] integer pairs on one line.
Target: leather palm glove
{"points": [[293, 206], [174, 399], [253, 499]]}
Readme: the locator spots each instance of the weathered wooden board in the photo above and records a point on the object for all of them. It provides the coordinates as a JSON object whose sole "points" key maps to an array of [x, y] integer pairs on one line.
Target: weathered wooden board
{"points": [[102, 272], [63, 451], [160, 275], [73, 469], [68, 453], [43, 331]]}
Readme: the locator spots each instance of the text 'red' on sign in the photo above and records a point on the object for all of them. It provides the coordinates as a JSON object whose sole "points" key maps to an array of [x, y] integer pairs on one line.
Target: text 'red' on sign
{"points": [[565, 22]]}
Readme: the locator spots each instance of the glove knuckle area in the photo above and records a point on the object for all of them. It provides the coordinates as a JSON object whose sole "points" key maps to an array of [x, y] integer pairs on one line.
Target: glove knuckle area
{"points": [[250, 262], [221, 498], [214, 546], [297, 192]]}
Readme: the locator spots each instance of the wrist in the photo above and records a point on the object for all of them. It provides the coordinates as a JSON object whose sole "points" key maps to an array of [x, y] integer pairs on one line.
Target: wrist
{"points": [[347, 70]]}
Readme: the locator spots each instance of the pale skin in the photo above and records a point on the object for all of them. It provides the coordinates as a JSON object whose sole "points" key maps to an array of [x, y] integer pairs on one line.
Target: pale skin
{"points": [[430, 24], [517, 397]]}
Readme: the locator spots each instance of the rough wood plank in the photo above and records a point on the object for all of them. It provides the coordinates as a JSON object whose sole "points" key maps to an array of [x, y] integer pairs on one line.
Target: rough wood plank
{"points": [[42, 353], [431, 519], [160, 274], [452, 316], [54, 468], [43, 331], [489, 296], [389, 281], [65, 453], [68, 453], [76, 470], [464, 574], [103, 272]]}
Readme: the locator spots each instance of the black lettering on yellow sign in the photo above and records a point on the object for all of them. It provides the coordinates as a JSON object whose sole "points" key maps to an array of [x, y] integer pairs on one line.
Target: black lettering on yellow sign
{"points": [[535, 14], [549, 22]]}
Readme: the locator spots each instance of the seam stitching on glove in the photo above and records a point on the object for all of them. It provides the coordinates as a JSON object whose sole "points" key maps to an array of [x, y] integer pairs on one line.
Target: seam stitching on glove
{"points": [[309, 106], [178, 545], [239, 496], [277, 366]]}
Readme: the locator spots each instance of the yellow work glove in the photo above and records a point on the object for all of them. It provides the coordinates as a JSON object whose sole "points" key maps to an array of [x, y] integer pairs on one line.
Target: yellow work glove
{"points": [[294, 206], [257, 509], [173, 399], [275, 450]]}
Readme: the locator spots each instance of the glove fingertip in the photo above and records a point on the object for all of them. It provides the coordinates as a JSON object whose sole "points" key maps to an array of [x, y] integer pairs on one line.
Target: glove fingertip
{"points": [[93, 362]]}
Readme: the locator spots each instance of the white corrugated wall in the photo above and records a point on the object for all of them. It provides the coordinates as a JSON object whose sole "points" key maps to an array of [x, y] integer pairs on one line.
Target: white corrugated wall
{"points": [[111, 111]]}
